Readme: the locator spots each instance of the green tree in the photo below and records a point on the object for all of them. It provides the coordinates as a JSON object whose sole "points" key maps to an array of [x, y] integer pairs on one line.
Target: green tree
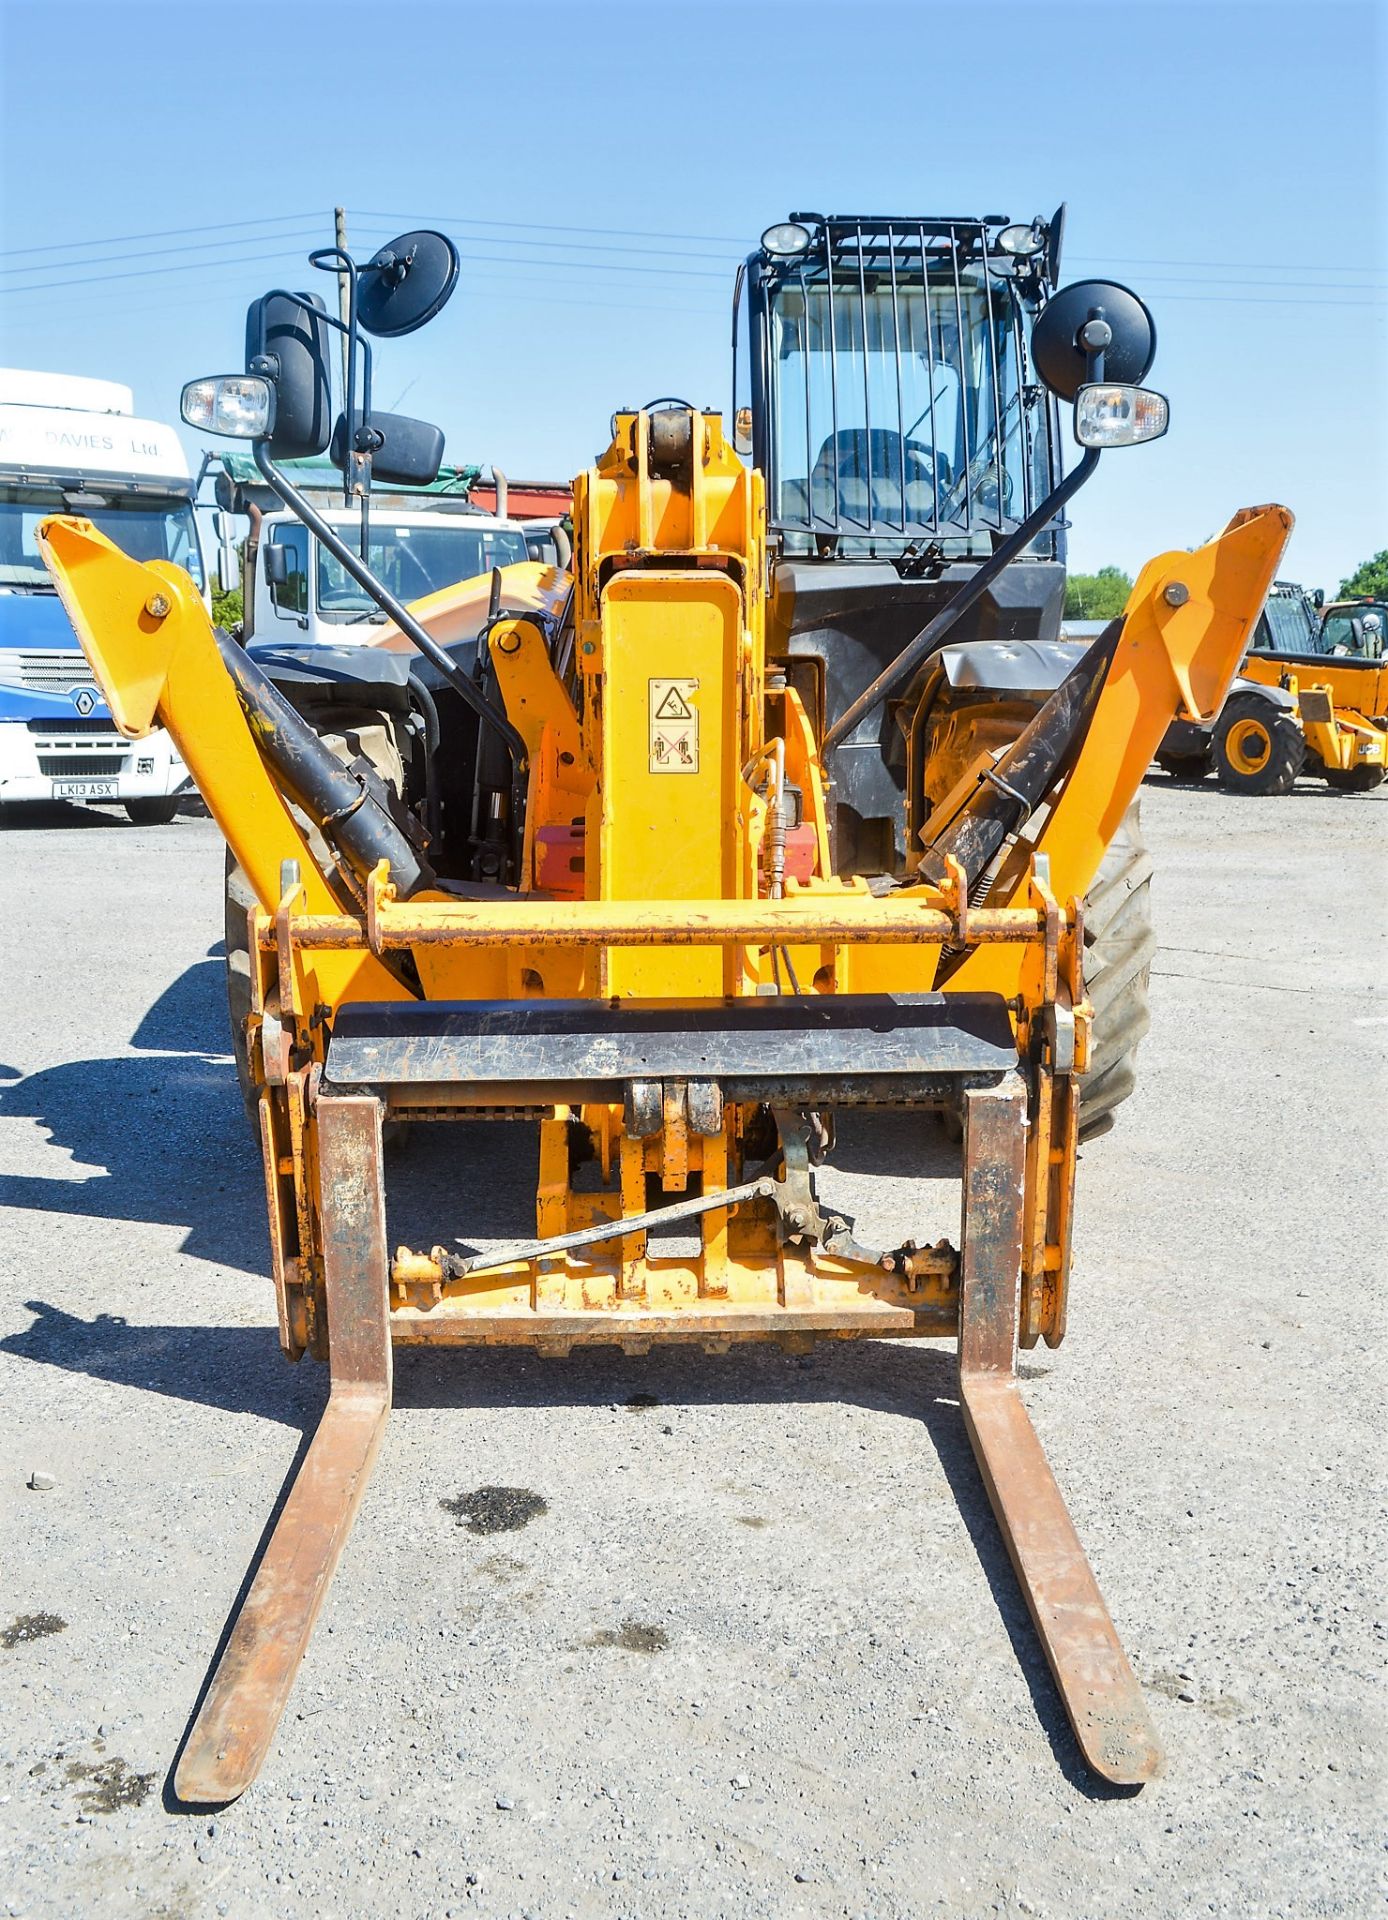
{"points": [[1097, 596], [228, 609], [1370, 578]]}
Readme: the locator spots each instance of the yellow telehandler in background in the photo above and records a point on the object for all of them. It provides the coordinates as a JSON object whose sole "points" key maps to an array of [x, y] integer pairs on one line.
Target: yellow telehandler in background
{"points": [[782, 800], [1310, 698]]}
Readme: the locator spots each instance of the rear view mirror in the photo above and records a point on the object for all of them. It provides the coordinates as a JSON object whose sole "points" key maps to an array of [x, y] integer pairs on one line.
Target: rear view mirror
{"points": [[404, 452], [406, 283], [287, 344], [1092, 317], [275, 560], [226, 571]]}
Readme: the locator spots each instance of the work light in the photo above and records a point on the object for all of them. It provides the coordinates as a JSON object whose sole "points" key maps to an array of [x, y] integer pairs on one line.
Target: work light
{"points": [[239, 405], [1118, 416], [1022, 242], [785, 240]]}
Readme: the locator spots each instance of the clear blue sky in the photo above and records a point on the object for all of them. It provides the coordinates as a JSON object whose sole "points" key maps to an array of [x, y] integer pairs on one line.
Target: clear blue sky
{"points": [[604, 167]]}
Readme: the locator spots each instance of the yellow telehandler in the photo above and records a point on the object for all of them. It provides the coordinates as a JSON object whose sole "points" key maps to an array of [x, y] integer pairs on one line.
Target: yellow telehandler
{"points": [[782, 800]]}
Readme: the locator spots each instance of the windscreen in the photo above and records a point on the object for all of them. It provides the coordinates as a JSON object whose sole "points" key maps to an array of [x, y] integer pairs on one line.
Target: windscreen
{"points": [[412, 561], [897, 399], [1291, 625], [1361, 630], [139, 526]]}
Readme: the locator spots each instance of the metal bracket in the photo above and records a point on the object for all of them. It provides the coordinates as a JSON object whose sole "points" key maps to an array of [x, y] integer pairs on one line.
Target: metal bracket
{"points": [[227, 1744], [1101, 1696]]}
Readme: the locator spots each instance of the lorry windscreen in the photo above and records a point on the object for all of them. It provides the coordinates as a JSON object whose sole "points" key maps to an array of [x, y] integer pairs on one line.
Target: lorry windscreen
{"points": [[413, 561], [145, 528]]}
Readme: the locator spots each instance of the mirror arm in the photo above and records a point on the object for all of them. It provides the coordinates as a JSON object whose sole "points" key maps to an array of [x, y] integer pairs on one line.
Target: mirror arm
{"points": [[930, 636], [461, 683]]}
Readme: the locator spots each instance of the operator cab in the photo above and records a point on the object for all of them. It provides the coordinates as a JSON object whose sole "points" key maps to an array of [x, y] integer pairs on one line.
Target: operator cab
{"points": [[897, 381], [890, 404], [1356, 628]]}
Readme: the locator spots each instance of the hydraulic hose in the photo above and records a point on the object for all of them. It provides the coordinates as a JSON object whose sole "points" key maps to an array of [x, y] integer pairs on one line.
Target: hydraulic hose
{"points": [[1007, 795], [316, 780]]}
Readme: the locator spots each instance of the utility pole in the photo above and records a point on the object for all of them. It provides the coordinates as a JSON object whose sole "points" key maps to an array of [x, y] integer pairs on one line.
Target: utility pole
{"points": [[343, 297]]}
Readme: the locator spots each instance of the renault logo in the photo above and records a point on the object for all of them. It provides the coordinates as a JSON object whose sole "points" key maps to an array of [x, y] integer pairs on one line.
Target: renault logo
{"points": [[84, 700]]}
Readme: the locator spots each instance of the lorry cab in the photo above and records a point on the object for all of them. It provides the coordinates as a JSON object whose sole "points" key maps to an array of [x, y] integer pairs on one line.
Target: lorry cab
{"points": [[302, 593], [73, 445], [295, 592]]}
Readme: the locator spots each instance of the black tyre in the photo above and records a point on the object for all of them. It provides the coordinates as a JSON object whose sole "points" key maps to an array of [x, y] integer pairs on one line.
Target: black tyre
{"points": [[1184, 766], [1354, 779], [1119, 946], [1257, 748], [152, 813]]}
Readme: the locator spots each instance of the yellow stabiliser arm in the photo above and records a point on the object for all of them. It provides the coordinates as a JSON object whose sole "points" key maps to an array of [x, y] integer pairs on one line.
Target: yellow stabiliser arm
{"points": [[149, 641], [1185, 629]]}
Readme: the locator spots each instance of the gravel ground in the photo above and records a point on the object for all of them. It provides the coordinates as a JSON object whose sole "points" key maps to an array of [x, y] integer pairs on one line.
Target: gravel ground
{"points": [[754, 1647]]}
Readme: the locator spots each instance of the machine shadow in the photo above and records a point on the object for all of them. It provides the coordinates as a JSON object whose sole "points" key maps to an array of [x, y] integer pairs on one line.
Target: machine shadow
{"points": [[239, 1370], [162, 1129]]}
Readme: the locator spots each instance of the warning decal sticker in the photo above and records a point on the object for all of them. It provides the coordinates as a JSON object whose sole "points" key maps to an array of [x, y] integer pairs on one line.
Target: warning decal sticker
{"points": [[674, 730]]}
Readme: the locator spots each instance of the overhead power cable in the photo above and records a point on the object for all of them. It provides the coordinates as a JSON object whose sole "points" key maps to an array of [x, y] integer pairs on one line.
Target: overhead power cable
{"points": [[580, 266], [158, 253], [165, 233], [555, 226]]}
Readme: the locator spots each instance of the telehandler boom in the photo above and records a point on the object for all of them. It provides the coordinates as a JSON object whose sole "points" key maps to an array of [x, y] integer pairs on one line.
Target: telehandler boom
{"points": [[715, 842]]}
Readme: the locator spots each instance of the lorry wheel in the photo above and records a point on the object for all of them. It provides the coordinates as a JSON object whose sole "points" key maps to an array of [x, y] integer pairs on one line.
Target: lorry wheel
{"points": [[1257, 748], [152, 813], [1119, 945], [1354, 779], [1184, 766]]}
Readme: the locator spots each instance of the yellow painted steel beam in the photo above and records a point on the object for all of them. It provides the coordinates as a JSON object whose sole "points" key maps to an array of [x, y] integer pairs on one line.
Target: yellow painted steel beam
{"points": [[1185, 630], [813, 918], [149, 641]]}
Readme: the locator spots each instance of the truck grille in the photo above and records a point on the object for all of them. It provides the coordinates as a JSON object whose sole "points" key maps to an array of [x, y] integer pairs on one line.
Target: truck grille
{"points": [[73, 766], [54, 729], [54, 672]]}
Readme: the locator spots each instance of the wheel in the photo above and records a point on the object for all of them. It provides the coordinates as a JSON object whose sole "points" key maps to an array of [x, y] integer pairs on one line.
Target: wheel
{"points": [[152, 813], [1257, 748], [1184, 766], [1119, 946], [1354, 779]]}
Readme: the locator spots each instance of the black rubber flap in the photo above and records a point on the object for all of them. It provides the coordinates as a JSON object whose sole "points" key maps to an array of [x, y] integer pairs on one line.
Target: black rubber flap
{"points": [[569, 1041]]}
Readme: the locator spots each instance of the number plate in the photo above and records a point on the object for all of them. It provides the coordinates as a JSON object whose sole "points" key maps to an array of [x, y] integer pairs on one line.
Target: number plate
{"points": [[84, 790]]}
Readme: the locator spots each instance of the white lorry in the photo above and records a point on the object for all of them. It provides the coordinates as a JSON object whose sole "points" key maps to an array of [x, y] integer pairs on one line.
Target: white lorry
{"points": [[294, 591], [73, 445]]}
